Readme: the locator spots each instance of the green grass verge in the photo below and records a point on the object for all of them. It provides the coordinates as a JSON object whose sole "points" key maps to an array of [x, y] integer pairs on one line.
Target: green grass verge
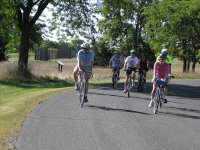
{"points": [[18, 99]]}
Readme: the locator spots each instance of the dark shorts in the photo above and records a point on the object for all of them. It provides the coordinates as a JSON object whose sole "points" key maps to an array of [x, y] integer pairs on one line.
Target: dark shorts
{"points": [[140, 70], [115, 69], [128, 72]]}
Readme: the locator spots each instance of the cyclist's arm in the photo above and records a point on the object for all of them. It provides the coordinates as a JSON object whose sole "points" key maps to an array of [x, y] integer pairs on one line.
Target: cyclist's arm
{"points": [[147, 64], [137, 66], [79, 65], [110, 63], [91, 65], [125, 64]]}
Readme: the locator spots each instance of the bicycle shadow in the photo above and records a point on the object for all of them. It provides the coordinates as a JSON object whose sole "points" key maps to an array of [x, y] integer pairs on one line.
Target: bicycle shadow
{"points": [[115, 109]]}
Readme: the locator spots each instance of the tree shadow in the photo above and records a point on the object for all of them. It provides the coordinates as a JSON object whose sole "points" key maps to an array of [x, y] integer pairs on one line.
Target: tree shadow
{"points": [[174, 89], [115, 109]]}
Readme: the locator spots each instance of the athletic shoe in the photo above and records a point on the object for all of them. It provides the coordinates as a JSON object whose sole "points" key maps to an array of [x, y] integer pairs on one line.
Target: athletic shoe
{"points": [[85, 99], [125, 90], [151, 104], [165, 100], [111, 84], [133, 84]]}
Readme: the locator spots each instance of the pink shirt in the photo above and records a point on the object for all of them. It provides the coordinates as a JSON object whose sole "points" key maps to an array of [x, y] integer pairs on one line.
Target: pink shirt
{"points": [[161, 71]]}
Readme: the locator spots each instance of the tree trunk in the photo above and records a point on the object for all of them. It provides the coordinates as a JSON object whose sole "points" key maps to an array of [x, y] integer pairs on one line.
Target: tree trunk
{"points": [[188, 66], [193, 65], [184, 65], [24, 48]]}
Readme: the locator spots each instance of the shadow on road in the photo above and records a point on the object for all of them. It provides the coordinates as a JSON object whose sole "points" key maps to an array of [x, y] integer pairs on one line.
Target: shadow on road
{"points": [[116, 109], [175, 89]]}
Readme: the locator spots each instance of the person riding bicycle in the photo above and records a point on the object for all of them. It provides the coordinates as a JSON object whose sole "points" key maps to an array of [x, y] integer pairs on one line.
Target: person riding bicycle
{"points": [[132, 63], [85, 60], [161, 70], [116, 62], [169, 61], [143, 65]]}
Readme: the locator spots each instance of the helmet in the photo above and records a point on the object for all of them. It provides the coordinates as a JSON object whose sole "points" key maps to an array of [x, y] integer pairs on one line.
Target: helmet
{"points": [[133, 51], [163, 55], [85, 45], [117, 52], [144, 54], [164, 51]]}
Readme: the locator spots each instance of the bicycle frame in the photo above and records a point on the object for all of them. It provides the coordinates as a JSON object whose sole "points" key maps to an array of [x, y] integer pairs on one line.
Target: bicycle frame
{"points": [[115, 78], [158, 101], [141, 82], [82, 88], [129, 81]]}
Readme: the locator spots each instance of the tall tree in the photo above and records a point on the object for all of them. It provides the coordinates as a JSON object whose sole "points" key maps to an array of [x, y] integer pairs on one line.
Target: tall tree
{"points": [[25, 13], [175, 25], [123, 24]]}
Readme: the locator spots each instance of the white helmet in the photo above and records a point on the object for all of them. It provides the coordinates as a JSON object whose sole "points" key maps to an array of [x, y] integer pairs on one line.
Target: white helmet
{"points": [[133, 51], [164, 51], [85, 45]]}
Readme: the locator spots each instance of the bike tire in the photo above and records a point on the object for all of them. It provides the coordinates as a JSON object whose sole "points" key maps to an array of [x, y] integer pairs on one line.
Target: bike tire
{"points": [[115, 83], [156, 103], [82, 94], [129, 87]]}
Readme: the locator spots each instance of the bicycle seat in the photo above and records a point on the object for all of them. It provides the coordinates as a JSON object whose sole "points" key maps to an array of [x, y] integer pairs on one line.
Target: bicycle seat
{"points": [[160, 83]]}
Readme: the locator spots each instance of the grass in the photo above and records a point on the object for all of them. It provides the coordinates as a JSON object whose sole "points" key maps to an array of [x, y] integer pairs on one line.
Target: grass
{"points": [[19, 96]]}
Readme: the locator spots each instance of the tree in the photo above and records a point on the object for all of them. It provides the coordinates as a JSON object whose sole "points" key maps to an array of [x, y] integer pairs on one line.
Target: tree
{"points": [[123, 25], [175, 25], [25, 13]]}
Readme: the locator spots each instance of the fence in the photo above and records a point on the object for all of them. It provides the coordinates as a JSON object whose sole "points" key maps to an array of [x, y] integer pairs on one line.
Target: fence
{"points": [[44, 54]]}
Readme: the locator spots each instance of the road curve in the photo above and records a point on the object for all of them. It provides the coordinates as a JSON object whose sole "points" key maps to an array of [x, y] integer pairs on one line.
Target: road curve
{"points": [[112, 121]]}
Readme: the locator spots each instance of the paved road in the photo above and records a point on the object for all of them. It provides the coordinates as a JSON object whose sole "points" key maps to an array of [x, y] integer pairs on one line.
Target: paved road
{"points": [[111, 121]]}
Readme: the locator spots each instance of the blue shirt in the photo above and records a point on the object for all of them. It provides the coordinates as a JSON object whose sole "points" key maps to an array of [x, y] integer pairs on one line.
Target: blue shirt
{"points": [[85, 58]]}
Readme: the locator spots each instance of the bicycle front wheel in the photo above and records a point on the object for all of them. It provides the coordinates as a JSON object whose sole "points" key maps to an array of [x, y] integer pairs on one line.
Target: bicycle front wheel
{"points": [[156, 102], [82, 94], [129, 87]]}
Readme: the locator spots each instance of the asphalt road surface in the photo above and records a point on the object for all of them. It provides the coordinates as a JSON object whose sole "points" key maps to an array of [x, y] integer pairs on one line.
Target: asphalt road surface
{"points": [[112, 121]]}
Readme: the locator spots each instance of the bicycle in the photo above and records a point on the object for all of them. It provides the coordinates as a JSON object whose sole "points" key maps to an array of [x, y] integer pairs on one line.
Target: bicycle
{"points": [[141, 82], [81, 87], [115, 77], [168, 80], [160, 84], [129, 80]]}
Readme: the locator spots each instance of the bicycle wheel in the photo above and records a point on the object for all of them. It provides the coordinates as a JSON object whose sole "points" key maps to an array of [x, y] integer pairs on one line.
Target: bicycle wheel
{"points": [[115, 81], [81, 94], [129, 87], [156, 103]]}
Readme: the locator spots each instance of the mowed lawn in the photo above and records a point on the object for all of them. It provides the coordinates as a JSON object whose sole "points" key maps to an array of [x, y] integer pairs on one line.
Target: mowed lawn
{"points": [[18, 96]]}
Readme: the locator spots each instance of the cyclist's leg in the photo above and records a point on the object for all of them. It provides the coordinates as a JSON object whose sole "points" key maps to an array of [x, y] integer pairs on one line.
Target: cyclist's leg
{"points": [[133, 73], [75, 72], [153, 95], [144, 73], [153, 92], [165, 94]]}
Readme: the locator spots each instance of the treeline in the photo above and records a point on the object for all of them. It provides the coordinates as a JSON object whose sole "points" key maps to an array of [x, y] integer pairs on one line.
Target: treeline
{"points": [[149, 26], [74, 45]]}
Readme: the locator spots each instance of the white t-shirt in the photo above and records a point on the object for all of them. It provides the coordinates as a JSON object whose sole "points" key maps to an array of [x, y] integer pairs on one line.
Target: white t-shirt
{"points": [[116, 61], [131, 62]]}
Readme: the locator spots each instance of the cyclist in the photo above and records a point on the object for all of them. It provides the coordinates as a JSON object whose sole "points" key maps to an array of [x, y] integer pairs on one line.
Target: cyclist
{"points": [[132, 63], [161, 70], [143, 65], [169, 61], [116, 62], [85, 60]]}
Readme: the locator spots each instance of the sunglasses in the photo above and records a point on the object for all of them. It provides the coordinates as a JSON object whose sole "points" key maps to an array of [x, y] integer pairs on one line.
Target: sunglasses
{"points": [[117, 53], [162, 59], [85, 49]]}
